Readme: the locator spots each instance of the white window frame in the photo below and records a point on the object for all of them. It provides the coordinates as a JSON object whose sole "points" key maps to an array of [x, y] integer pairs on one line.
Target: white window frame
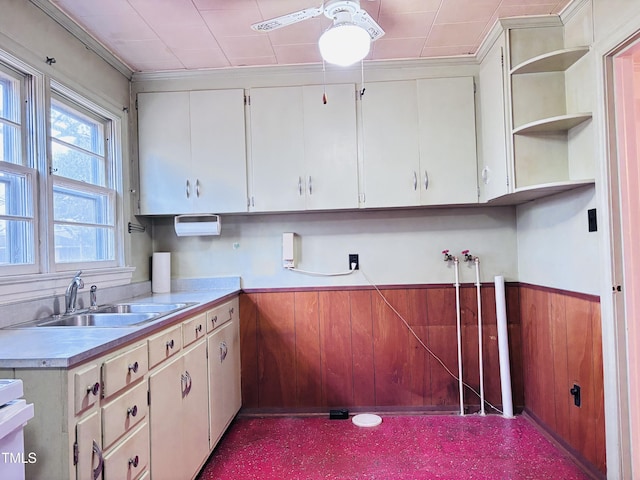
{"points": [[44, 279], [113, 178]]}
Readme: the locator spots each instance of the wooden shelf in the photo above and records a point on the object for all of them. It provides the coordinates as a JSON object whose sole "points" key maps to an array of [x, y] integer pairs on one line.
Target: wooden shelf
{"points": [[557, 61], [533, 192], [560, 123]]}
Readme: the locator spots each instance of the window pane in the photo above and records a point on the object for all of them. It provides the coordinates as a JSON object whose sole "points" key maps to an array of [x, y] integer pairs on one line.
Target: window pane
{"points": [[16, 242], [70, 126], [14, 195], [77, 165], [81, 207], [77, 145], [9, 98], [10, 144], [10, 134], [75, 243]]}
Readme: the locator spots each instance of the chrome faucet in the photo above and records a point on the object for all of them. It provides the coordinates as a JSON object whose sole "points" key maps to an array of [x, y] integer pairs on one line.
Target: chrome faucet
{"points": [[93, 297], [72, 292]]}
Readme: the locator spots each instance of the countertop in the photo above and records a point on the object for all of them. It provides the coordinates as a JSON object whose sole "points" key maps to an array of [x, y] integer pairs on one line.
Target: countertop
{"points": [[66, 347]]}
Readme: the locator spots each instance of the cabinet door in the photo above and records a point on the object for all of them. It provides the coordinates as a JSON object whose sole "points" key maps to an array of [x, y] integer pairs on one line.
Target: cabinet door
{"points": [[164, 152], [277, 149], [89, 447], [224, 378], [447, 130], [166, 387], [195, 403], [330, 147], [218, 151], [390, 144], [493, 161]]}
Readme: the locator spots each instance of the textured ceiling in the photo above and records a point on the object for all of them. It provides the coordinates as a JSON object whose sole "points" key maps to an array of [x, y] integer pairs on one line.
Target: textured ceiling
{"points": [[164, 35]]}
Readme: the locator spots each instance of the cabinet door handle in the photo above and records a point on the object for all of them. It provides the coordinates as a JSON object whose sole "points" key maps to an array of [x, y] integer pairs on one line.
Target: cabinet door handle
{"points": [[426, 180], [415, 180], [185, 383], [299, 185], [223, 351], [188, 189], [133, 411], [310, 186], [198, 188], [133, 367], [93, 389], [134, 461], [98, 470]]}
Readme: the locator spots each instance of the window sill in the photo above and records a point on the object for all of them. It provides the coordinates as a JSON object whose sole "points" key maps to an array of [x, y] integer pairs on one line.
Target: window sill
{"points": [[20, 288]]}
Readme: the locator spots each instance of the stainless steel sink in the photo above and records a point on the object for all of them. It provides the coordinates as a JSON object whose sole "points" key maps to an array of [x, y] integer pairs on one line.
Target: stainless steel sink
{"points": [[99, 320], [111, 315], [142, 307]]}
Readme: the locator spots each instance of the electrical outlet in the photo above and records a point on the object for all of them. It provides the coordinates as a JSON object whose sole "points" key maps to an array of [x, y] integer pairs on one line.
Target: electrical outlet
{"points": [[353, 258]]}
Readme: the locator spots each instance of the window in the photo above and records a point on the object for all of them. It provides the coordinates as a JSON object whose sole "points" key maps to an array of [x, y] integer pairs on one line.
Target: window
{"points": [[84, 196], [59, 180], [17, 222]]}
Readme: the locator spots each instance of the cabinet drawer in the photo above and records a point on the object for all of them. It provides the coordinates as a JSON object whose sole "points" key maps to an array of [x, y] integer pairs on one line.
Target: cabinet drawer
{"points": [[194, 329], [221, 315], [129, 459], [86, 385], [124, 370], [123, 413], [164, 345]]}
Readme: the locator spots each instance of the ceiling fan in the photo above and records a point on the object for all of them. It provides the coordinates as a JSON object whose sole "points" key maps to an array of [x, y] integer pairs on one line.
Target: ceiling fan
{"points": [[347, 41]]}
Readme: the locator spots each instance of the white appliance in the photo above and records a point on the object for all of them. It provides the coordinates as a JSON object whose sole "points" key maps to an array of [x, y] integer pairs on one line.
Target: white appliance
{"points": [[14, 415]]}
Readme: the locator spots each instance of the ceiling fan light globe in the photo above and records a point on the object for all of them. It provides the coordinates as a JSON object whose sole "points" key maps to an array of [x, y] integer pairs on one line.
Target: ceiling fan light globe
{"points": [[344, 44]]}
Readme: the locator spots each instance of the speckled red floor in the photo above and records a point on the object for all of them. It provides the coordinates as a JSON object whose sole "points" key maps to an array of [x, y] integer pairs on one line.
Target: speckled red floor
{"points": [[402, 447]]}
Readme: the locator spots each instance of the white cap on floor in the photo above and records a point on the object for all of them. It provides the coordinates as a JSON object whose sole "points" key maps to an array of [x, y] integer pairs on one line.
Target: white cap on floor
{"points": [[366, 420]]}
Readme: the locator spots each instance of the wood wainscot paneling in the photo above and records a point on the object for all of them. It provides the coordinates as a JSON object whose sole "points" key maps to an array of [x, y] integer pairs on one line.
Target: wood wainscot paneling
{"points": [[562, 347], [315, 349]]}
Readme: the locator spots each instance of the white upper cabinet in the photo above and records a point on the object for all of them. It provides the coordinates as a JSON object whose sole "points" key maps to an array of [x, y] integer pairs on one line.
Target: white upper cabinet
{"points": [[391, 149], [419, 143], [303, 151], [447, 131], [192, 152], [492, 161]]}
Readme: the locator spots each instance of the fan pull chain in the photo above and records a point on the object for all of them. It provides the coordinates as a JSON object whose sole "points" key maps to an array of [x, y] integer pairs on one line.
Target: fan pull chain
{"points": [[362, 78], [324, 84]]}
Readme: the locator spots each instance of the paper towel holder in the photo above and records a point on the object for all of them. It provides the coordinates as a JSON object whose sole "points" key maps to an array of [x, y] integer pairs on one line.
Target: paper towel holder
{"points": [[195, 225]]}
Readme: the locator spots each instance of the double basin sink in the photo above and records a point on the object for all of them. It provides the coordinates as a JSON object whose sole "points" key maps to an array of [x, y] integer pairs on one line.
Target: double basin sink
{"points": [[113, 315]]}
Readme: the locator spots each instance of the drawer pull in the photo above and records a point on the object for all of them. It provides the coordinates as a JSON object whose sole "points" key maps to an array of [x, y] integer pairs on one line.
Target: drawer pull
{"points": [[93, 389], [214, 319], [170, 344], [133, 368], [199, 328], [134, 461], [231, 311], [133, 411], [98, 470]]}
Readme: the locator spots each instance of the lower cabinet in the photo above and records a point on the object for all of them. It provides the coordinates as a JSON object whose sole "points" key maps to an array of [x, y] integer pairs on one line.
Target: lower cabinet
{"points": [[224, 372], [151, 410], [178, 413]]}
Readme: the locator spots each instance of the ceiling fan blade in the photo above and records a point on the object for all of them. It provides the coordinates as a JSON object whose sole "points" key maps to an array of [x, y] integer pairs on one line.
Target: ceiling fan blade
{"points": [[362, 18], [288, 19]]}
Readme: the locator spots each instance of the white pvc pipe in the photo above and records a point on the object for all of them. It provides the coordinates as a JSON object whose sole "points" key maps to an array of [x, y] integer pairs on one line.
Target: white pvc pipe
{"points": [[503, 348], [459, 329], [480, 357]]}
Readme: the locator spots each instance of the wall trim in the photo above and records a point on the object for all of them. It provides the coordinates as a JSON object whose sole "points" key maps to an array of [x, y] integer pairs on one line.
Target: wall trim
{"points": [[583, 296]]}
